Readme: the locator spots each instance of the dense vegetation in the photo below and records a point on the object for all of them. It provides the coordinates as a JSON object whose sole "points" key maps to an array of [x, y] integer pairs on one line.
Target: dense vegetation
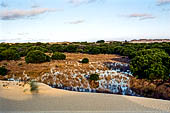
{"points": [[58, 56], [148, 60], [151, 64]]}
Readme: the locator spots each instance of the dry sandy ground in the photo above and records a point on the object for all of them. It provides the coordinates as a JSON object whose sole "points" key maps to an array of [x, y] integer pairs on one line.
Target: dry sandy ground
{"points": [[13, 99]]}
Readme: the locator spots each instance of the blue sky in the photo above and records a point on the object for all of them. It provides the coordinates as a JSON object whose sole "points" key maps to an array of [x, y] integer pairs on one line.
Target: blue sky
{"points": [[83, 20]]}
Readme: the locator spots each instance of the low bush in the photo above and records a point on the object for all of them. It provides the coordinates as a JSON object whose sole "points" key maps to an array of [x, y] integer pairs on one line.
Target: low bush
{"points": [[94, 77], [36, 48], [36, 56], [33, 87], [3, 71], [9, 54], [58, 56], [85, 60]]}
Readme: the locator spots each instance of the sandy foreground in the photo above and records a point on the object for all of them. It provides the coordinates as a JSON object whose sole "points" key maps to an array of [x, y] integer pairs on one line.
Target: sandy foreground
{"points": [[14, 98]]}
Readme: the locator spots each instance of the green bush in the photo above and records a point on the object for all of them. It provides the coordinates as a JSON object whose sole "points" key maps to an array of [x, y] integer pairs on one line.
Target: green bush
{"points": [[10, 54], [58, 56], [85, 60], [57, 48], [33, 87], [2, 49], [36, 48], [3, 71], [94, 50], [1, 57], [100, 41], [36, 56], [71, 48], [94, 77], [151, 64]]}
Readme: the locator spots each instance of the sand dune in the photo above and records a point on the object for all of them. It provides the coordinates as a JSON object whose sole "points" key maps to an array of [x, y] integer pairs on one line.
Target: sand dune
{"points": [[14, 99]]}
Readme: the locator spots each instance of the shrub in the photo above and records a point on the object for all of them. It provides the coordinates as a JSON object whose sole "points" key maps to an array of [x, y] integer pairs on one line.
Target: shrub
{"points": [[10, 54], [100, 41], [151, 64], [58, 56], [85, 60], [1, 57], [36, 56], [94, 50], [71, 48], [94, 77], [3, 71], [36, 48], [57, 48], [33, 87], [2, 49]]}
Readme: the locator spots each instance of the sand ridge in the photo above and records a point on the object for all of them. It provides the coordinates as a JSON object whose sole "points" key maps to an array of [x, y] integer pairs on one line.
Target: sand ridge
{"points": [[49, 99]]}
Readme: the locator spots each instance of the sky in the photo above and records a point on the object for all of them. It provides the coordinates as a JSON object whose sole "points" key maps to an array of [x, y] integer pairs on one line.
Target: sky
{"points": [[83, 20]]}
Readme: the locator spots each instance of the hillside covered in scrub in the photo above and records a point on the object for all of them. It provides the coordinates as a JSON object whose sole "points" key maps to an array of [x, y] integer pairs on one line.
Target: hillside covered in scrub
{"points": [[120, 67]]}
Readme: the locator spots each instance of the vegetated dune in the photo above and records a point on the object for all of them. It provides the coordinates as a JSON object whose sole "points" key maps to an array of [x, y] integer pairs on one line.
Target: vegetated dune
{"points": [[15, 97]]}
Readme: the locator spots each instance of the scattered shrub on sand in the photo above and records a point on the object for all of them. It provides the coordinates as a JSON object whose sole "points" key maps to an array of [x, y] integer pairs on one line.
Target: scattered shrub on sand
{"points": [[3, 71], [10, 54], [36, 56], [94, 77], [33, 87], [58, 56], [85, 60]]}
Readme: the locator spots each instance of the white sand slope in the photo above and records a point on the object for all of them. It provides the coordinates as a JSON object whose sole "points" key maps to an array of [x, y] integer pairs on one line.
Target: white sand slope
{"points": [[13, 99]]}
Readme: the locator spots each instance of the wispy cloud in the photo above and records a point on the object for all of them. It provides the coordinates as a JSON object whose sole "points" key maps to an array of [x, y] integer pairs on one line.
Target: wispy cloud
{"points": [[78, 2], [3, 4], [76, 22], [35, 6], [163, 2], [16, 14], [141, 16]]}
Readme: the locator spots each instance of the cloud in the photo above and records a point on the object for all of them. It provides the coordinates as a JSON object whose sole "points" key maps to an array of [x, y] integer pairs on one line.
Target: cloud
{"points": [[76, 22], [3, 4], [16, 14], [141, 16], [22, 33], [35, 6], [78, 2], [163, 2]]}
